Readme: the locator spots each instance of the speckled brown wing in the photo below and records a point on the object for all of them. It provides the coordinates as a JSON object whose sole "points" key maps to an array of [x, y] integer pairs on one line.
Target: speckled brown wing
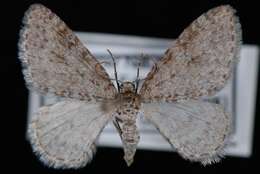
{"points": [[199, 62], [57, 62]]}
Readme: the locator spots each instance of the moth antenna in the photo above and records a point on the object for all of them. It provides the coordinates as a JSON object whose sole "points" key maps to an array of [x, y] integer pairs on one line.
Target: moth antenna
{"points": [[103, 62], [115, 72], [117, 126], [137, 76]]}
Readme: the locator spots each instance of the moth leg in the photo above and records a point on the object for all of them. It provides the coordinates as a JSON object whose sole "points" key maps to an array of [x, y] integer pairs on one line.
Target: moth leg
{"points": [[137, 77], [116, 124]]}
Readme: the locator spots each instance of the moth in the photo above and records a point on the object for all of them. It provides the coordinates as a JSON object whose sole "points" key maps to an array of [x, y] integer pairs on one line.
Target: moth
{"points": [[198, 63]]}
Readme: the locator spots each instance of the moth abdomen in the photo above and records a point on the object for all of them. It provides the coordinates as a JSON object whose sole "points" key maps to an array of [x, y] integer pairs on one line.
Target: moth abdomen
{"points": [[130, 138]]}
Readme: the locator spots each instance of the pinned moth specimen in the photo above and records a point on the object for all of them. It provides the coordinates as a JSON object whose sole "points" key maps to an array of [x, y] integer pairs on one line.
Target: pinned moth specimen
{"points": [[198, 63]]}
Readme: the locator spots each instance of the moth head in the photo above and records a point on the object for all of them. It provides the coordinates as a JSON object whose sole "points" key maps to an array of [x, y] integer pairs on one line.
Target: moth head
{"points": [[127, 87]]}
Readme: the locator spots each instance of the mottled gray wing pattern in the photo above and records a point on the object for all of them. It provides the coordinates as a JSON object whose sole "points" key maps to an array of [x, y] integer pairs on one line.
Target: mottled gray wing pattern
{"points": [[64, 134], [199, 62], [198, 130], [56, 61]]}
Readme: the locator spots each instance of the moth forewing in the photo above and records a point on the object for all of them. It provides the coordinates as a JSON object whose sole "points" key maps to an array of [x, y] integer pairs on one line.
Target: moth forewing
{"points": [[56, 62], [199, 62]]}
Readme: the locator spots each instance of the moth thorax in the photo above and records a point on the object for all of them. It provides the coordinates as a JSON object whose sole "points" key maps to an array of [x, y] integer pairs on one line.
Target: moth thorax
{"points": [[127, 87]]}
